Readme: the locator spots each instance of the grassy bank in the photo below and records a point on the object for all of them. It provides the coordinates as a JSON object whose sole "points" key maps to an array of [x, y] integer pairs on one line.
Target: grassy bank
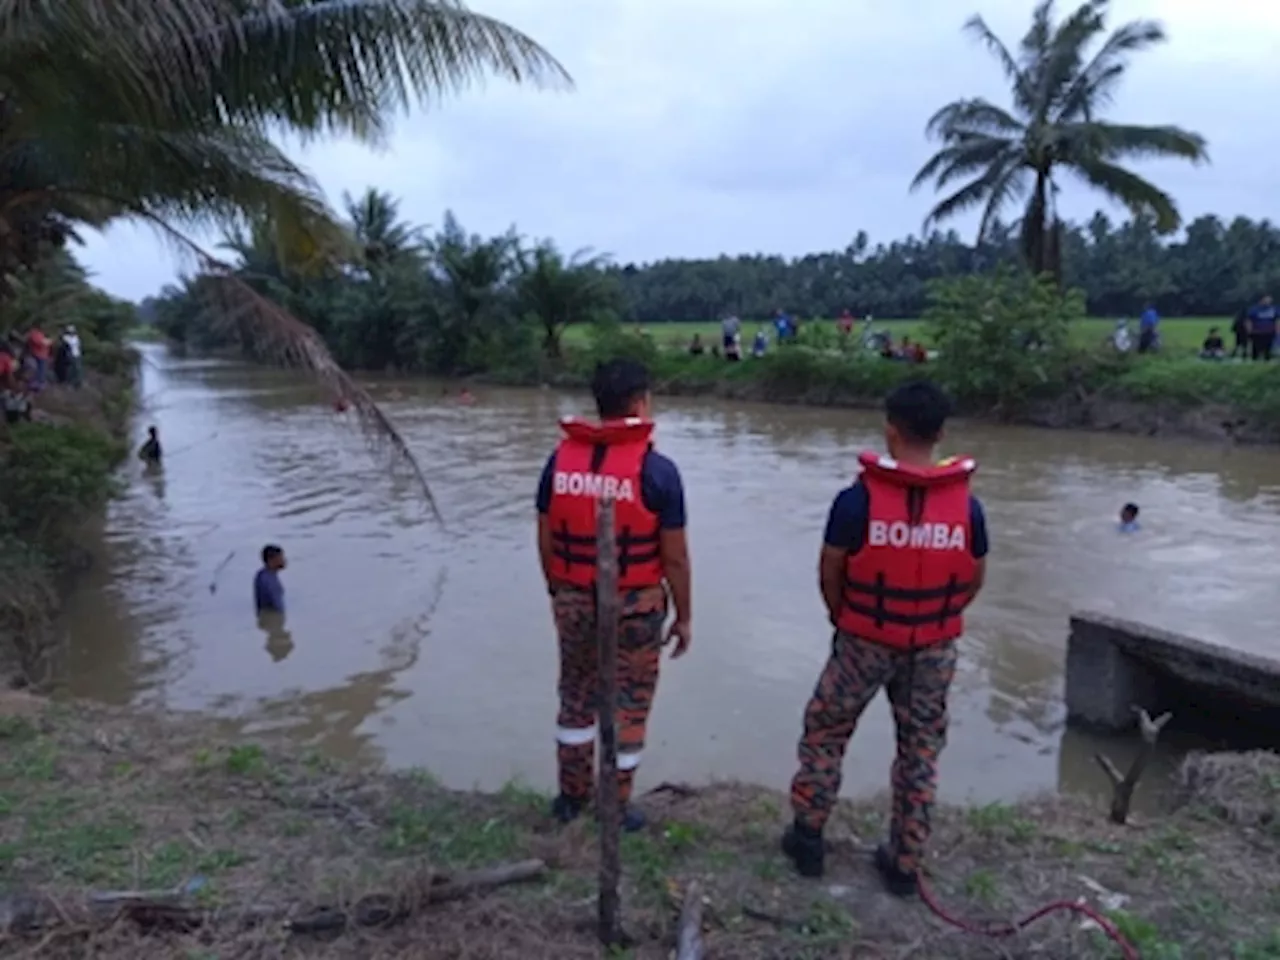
{"points": [[1180, 336], [1070, 388], [55, 473], [97, 800]]}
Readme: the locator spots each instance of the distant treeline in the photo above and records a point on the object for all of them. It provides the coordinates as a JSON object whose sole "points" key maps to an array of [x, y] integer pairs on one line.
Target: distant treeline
{"points": [[1214, 270]]}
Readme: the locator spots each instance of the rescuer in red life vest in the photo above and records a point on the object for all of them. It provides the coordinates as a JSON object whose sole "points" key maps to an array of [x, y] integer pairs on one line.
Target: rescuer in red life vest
{"points": [[903, 555], [615, 455]]}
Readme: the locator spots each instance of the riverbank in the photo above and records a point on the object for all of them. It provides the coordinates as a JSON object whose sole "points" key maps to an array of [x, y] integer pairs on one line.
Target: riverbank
{"points": [[1151, 396], [56, 473], [94, 799]]}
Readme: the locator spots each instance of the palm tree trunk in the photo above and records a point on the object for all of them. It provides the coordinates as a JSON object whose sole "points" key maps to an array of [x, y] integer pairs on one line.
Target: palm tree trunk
{"points": [[1033, 226]]}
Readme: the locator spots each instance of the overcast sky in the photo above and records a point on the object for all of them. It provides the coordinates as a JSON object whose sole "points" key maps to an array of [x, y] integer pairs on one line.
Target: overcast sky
{"points": [[700, 127]]}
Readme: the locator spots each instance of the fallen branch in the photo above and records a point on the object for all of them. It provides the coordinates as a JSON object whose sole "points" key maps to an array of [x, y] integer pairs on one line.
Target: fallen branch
{"points": [[1123, 785], [169, 909], [681, 791], [689, 935]]}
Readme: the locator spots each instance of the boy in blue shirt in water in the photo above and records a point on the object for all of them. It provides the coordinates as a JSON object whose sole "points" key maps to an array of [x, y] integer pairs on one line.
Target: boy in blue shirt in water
{"points": [[268, 591], [1129, 518]]}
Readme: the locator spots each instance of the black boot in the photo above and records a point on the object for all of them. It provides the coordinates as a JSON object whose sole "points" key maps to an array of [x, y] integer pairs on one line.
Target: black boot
{"points": [[901, 883], [803, 845], [566, 809]]}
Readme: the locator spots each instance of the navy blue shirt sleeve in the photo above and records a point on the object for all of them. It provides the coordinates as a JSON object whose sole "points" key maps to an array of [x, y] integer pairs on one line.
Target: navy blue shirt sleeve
{"points": [[978, 544], [847, 522], [662, 490], [544, 485]]}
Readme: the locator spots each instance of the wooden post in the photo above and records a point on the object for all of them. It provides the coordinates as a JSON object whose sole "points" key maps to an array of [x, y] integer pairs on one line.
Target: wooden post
{"points": [[607, 806]]}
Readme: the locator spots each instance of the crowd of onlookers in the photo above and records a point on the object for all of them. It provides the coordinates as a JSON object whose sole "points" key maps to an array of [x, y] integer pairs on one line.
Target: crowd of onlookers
{"points": [[785, 329], [30, 360]]}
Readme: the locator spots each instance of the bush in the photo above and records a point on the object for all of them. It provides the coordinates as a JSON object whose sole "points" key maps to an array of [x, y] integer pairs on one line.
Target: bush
{"points": [[1002, 338], [608, 339], [52, 478]]}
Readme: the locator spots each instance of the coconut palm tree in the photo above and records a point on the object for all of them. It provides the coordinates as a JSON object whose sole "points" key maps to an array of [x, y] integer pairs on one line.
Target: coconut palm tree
{"points": [[1054, 125], [379, 232], [561, 290]]}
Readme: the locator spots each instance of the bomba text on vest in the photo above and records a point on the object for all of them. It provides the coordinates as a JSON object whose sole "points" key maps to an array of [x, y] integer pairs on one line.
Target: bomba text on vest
{"points": [[592, 485], [924, 536]]}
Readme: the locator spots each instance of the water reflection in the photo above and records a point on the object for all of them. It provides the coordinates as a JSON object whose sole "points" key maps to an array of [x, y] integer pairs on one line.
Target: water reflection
{"points": [[383, 659], [279, 640]]}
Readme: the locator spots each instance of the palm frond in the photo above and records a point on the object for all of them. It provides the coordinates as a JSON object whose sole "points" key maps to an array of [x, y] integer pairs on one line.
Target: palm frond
{"points": [[963, 159], [342, 65], [1094, 85], [1140, 196], [977, 28], [1009, 185], [967, 197], [1061, 60], [1116, 141], [974, 115]]}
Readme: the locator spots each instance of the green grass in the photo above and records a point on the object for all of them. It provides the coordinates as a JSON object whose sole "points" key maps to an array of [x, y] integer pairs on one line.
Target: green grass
{"points": [[1182, 335]]}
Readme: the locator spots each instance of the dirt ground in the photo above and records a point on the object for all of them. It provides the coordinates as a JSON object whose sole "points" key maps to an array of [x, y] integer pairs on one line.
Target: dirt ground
{"points": [[249, 836]]}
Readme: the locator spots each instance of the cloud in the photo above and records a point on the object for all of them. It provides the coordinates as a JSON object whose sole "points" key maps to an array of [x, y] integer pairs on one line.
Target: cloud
{"points": [[706, 126]]}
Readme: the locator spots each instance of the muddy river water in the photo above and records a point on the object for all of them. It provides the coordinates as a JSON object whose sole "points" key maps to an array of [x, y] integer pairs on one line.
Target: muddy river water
{"points": [[418, 647]]}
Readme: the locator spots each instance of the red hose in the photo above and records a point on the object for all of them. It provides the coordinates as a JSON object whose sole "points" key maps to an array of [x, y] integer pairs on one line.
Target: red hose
{"points": [[1006, 929]]}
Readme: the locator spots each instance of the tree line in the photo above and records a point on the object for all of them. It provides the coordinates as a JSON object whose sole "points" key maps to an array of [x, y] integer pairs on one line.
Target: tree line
{"points": [[451, 301], [1213, 270]]}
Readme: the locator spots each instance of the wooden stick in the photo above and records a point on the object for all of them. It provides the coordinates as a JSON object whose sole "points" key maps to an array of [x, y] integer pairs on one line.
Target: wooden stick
{"points": [[607, 809], [1123, 785], [689, 937]]}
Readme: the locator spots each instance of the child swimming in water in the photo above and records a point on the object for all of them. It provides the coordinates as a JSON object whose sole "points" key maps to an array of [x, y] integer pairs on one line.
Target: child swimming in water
{"points": [[1129, 518]]}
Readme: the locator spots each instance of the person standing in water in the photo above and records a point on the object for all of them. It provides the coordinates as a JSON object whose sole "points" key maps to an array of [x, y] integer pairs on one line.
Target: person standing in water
{"points": [[268, 591], [614, 455], [150, 452], [903, 556]]}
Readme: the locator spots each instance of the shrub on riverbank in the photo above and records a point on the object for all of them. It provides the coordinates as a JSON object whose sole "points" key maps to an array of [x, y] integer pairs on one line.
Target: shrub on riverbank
{"points": [[101, 800]]}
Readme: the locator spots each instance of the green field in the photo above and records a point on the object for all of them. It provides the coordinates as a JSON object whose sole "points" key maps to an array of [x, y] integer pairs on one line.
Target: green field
{"points": [[1180, 336]]}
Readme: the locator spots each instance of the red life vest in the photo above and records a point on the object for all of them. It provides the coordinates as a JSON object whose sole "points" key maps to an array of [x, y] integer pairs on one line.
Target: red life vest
{"points": [[909, 583], [593, 459]]}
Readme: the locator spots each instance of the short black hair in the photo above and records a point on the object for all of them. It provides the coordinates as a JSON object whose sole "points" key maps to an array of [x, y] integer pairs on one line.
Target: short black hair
{"points": [[270, 552], [918, 409], [617, 385], [1131, 508]]}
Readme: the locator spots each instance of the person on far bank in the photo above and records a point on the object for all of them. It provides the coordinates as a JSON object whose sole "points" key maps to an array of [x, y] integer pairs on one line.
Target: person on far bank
{"points": [[1240, 333], [150, 453], [268, 591], [1148, 329], [75, 355], [613, 455], [903, 555], [1262, 329], [1213, 347]]}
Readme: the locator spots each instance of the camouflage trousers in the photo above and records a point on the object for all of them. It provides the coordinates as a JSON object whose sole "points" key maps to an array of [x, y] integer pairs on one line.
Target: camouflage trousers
{"points": [[639, 648], [917, 692]]}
